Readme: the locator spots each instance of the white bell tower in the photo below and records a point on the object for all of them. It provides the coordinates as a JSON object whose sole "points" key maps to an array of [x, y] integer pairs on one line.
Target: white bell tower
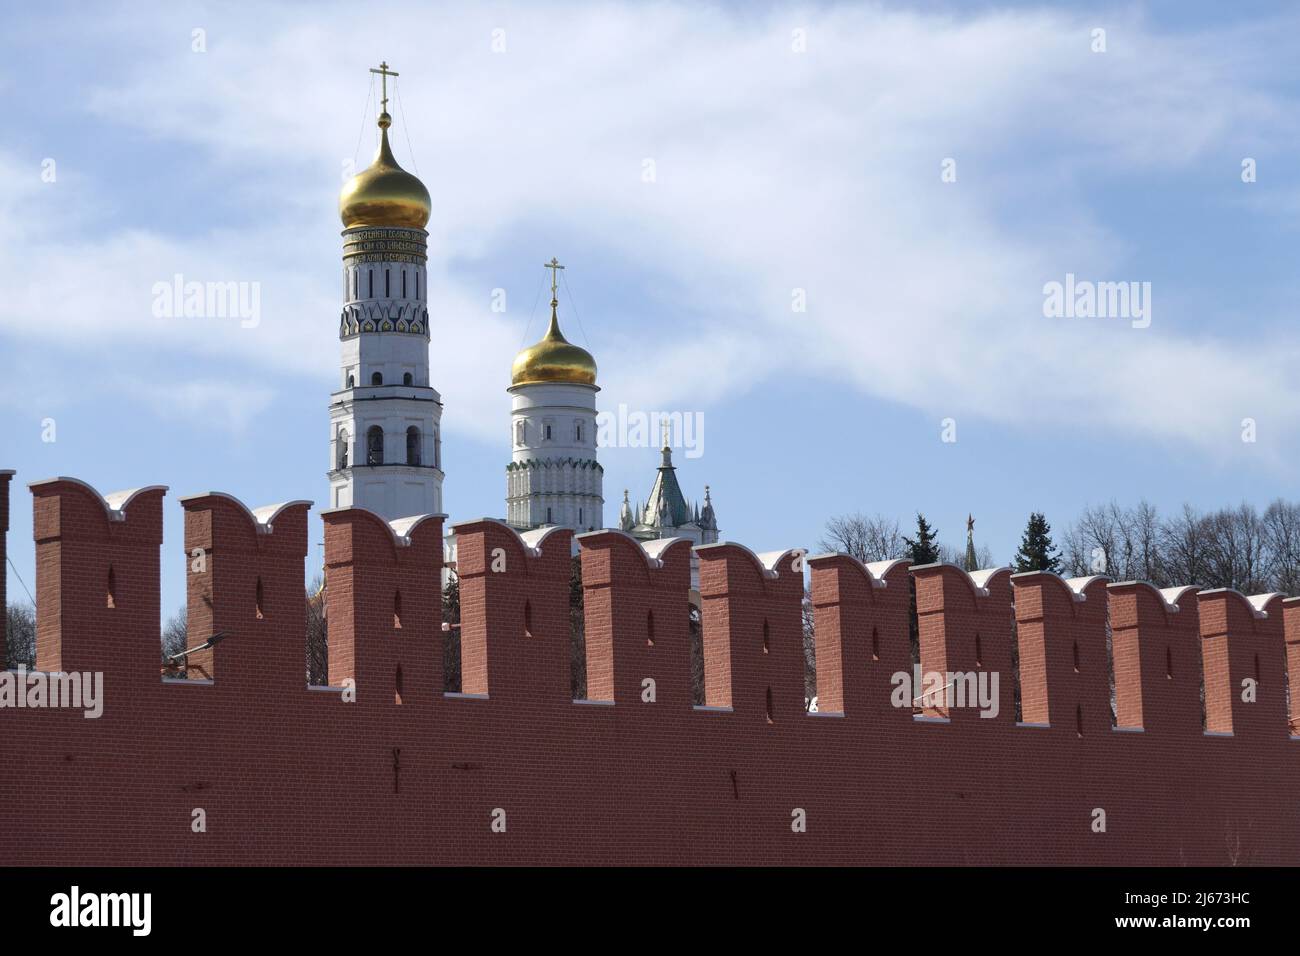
{"points": [[385, 446], [553, 477]]}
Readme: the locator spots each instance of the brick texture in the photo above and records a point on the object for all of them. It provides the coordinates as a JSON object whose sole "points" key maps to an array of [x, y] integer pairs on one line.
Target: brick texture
{"points": [[405, 774]]}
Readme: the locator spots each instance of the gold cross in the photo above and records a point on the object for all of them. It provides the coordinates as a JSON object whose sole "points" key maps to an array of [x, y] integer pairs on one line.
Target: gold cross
{"points": [[555, 267], [385, 73]]}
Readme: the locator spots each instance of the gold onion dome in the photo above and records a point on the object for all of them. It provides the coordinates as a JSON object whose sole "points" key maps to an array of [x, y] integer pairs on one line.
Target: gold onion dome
{"points": [[553, 359], [384, 194]]}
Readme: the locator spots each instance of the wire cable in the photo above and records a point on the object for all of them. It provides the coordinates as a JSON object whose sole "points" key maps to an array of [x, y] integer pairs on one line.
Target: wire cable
{"points": [[406, 127], [20, 580], [533, 311], [364, 113], [574, 304]]}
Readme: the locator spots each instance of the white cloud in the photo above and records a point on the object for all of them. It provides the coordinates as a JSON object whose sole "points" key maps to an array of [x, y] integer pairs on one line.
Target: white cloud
{"points": [[775, 170], [232, 406]]}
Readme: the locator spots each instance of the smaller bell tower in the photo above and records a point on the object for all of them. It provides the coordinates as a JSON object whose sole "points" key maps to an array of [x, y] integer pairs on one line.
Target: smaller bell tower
{"points": [[553, 477]]}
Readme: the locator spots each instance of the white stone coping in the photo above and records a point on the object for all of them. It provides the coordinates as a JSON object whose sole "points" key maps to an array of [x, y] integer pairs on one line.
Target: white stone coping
{"points": [[1261, 601], [1076, 586], [263, 518], [767, 562], [1170, 607], [652, 551], [115, 503], [978, 580], [1256, 604], [874, 571], [529, 541], [401, 529]]}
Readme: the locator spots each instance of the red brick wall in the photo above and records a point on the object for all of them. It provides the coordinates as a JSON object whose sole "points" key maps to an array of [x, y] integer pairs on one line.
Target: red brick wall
{"points": [[383, 606], [1291, 629], [636, 621], [1157, 658], [244, 579], [288, 774], [1240, 646], [1061, 636]]}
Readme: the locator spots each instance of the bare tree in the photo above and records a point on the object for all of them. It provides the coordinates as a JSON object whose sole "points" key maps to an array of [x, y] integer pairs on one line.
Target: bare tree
{"points": [[1141, 531], [1229, 548], [809, 651], [1124, 543], [175, 634], [20, 635], [1185, 546], [1236, 551], [1076, 553], [318, 671], [1099, 540], [867, 538], [1282, 533]]}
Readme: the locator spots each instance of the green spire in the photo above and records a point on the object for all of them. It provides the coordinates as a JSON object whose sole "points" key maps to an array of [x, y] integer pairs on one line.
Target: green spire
{"points": [[972, 563]]}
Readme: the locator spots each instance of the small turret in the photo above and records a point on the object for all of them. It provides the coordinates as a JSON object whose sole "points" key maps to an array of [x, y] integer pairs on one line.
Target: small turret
{"points": [[626, 521], [708, 520]]}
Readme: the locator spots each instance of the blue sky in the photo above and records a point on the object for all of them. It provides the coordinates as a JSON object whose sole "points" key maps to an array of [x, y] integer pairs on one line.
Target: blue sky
{"points": [[776, 170]]}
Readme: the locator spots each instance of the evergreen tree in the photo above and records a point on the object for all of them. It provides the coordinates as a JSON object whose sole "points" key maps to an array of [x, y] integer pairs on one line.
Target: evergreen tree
{"points": [[1037, 552], [451, 683], [924, 549]]}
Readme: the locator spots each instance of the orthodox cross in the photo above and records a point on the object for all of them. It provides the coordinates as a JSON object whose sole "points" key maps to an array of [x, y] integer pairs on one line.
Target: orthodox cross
{"points": [[384, 73], [555, 267]]}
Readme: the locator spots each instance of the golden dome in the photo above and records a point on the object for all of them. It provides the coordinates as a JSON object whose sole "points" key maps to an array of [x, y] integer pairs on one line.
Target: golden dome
{"points": [[384, 194], [553, 359]]}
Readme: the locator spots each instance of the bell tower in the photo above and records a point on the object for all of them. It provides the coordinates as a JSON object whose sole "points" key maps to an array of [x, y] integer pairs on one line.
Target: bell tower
{"points": [[553, 477], [385, 418]]}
